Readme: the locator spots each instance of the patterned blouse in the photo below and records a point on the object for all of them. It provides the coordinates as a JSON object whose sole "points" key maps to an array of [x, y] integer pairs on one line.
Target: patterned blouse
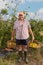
{"points": [[22, 29]]}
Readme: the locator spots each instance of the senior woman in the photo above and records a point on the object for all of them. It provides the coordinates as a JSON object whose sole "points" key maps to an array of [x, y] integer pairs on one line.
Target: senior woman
{"points": [[22, 28]]}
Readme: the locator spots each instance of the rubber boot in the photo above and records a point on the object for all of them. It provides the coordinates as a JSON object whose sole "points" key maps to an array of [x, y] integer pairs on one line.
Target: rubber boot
{"points": [[19, 56], [25, 57]]}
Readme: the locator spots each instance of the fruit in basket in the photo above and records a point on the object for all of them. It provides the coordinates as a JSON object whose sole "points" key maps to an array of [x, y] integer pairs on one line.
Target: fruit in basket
{"points": [[33, 45], [11, 44]]}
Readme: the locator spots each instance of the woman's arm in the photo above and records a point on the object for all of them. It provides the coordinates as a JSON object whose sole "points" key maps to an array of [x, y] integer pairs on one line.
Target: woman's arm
{"points": [[13, 34], [31, 33]]}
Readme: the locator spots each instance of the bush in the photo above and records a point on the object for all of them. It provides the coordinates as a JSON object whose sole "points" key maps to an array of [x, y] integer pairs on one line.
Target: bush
{"points": [[6, 30]]}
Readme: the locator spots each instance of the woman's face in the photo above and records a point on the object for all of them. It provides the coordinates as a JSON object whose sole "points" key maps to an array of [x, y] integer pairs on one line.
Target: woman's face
{"points": [[21, 17]]}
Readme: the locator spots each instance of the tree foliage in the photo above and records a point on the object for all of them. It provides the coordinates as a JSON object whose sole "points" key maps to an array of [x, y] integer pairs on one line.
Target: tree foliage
{"points": [[6, 28], [4, 11], [37, 27]]}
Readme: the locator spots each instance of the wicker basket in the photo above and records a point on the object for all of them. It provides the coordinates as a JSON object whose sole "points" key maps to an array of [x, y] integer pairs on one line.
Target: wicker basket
{"points": [[34, 44], [11, 44]]}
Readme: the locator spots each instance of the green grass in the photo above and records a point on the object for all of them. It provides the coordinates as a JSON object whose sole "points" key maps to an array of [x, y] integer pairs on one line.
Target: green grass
{"points": [[34, 56]]}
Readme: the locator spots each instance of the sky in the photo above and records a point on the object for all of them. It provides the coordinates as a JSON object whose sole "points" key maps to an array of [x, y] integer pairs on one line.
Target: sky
{"points": [[33, 7]]}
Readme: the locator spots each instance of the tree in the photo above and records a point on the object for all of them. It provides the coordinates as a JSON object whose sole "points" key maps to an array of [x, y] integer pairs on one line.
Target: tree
{"points": [[4, 11]]}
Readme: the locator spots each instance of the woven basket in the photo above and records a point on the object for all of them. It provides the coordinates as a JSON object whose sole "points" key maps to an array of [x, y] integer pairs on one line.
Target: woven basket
{"points": [[34, 44], [11, 44]]}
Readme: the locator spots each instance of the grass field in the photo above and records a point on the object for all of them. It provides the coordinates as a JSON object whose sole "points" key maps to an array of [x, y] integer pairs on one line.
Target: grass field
{"points": [[35, 57]]}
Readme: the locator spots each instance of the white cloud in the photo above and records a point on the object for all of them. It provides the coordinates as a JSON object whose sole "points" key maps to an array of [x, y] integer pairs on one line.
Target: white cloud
{"points": [[38, 15], [30, 15], [40, 11], [2, 4], [10, 4], [22, 1]]}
